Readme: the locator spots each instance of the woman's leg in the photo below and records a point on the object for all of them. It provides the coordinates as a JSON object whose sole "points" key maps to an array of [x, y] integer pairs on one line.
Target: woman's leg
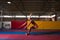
{"points": [[28, 31]]}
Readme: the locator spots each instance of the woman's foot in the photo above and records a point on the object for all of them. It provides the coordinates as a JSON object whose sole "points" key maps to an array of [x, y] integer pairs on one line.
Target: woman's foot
{"points": [[27, 34]]}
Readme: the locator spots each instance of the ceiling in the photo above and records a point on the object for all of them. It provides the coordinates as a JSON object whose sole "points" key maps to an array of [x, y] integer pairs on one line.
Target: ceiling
{"points": [[37, 7]]}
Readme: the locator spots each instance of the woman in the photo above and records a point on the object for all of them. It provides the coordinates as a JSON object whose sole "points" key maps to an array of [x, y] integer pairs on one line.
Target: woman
{"points": [[28, 23]]}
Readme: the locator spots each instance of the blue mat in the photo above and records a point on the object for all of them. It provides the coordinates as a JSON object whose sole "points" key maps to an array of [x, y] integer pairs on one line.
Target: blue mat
{"points": [[30, 33]]}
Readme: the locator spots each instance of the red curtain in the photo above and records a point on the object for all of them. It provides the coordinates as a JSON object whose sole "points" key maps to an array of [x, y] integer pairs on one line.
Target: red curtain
{"points": [[15, 24]]}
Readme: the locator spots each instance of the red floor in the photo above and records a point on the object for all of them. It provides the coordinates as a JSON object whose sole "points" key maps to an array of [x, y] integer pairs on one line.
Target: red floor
{"points": [[30, 37]]}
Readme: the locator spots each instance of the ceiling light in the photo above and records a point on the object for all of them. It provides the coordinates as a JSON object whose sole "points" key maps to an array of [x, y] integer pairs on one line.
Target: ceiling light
{"points": [[45, 16], [9, 2]]}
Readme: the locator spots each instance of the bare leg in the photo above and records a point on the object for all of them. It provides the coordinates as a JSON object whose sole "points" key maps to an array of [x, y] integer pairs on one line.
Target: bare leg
{"points": [[28, 32]]}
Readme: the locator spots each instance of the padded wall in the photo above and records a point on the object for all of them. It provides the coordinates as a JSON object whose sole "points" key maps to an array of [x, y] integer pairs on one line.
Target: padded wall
{"points": [[41, 24], [47, 25], [15, 24], [7, 25], [0, 25]]}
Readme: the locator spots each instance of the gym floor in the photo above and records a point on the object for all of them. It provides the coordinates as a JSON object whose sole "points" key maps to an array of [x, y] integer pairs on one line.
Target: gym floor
{"points": [[34, 35], [30, 37]]}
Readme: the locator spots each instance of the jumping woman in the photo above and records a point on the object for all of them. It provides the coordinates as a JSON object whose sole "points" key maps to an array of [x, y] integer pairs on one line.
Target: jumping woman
{"points": [[28, 24]]}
